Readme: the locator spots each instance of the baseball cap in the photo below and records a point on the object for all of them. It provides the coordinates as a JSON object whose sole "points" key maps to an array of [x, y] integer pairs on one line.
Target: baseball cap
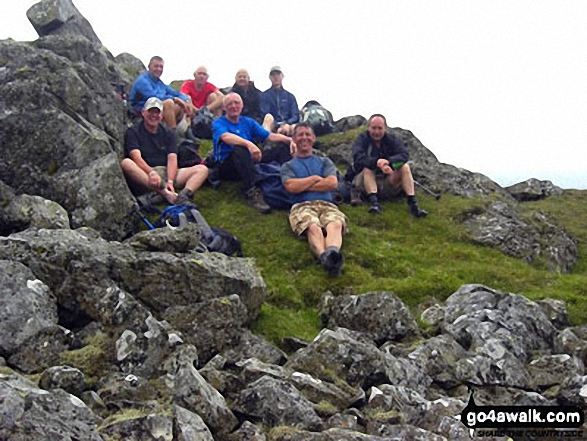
{"points": [[275, 69], [153, 103]]}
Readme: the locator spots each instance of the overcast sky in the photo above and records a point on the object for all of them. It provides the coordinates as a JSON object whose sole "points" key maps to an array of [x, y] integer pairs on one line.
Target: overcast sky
{"points": [[493, 86]]}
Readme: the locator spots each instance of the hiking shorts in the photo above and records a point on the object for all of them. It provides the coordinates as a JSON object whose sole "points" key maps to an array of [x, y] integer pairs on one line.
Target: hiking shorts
{"points": [[139, 190], [303, 214], [384, 187]]}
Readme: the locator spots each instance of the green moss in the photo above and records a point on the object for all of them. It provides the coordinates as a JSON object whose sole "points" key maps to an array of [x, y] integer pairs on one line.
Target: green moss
{"points": [[92, 359], [278, 432], [131, 414], [52, 169], [325, 408], [5, 370]]}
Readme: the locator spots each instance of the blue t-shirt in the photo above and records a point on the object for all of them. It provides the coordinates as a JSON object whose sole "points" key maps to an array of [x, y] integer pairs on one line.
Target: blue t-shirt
{"points": [[305, 167], [246, 128]]}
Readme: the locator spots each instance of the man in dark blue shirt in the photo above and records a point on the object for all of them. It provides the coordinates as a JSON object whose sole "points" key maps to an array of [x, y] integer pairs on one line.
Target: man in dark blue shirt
{"points": [[280, 104], [311, 179]]}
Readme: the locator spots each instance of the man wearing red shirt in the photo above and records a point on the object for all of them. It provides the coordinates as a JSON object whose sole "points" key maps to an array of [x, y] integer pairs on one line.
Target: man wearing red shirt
{"points": [[203, 93]]}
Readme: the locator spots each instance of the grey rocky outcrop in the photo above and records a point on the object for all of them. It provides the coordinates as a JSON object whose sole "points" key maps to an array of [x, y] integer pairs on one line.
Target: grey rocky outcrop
{"points": [[381, 315], [60, 17], [533, 190], [62, 125], [27, 306], [27, 412]]}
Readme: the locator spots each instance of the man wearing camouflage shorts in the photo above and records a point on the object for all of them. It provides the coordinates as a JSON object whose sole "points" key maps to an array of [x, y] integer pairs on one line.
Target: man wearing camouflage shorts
{"points": [[311, 179]]}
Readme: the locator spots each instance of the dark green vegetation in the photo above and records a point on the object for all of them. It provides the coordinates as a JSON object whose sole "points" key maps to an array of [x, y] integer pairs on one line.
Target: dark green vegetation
{"points": [[420, 260]]}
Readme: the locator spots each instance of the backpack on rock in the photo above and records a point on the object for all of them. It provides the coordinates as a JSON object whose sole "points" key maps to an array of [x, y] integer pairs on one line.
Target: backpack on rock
{"points": [[215, 239]]}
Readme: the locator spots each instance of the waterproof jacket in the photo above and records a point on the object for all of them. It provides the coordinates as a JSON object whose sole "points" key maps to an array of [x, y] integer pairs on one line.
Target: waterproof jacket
{"points": [[366, 154], [281, 104], [146, 86]]}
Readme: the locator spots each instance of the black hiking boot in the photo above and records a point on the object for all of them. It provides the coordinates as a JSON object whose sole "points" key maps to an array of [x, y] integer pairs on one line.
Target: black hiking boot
{"points": [[256, 200], [375, 208], [415, 210], [332, 261], [184, 197], [356, 198]]}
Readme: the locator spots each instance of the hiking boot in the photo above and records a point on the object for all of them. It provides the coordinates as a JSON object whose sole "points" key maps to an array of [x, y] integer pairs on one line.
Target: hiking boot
{"points": [[332, 261], [356, 198], [256, 200], [183, 197], [375, 208], [415, 210]]}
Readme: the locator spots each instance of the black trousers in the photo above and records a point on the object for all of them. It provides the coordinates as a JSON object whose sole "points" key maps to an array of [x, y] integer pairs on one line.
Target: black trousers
{"points": [[239, 166]]}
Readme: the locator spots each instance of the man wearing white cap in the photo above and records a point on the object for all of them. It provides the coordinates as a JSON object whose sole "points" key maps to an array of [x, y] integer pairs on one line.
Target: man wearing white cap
{"points": [[280, 103], [151, 158]]}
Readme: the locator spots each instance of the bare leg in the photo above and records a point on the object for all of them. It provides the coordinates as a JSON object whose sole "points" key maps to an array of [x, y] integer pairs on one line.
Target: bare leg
{"points": [[138, 177], [191, 178], [268, 122], [214, 103], [403, 177], [172, 113], [333, 235], [369, 181], [316, 239]]}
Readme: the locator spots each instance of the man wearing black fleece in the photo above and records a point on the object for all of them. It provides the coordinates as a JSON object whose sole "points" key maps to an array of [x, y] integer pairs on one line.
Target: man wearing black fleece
{"points": [[381, 163]]}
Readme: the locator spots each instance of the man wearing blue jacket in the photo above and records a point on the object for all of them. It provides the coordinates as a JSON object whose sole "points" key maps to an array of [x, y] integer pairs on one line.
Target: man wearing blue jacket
{"points": [[381, 161], [149, 84], [280, 104]]}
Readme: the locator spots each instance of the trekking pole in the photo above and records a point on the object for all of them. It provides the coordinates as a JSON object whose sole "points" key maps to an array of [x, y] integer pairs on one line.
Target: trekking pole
{"points": [[427, 190], [212, 239], [143, 218]]}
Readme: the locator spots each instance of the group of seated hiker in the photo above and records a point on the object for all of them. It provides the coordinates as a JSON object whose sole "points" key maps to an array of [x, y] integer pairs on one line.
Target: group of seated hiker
{"points": [[246, 118]]}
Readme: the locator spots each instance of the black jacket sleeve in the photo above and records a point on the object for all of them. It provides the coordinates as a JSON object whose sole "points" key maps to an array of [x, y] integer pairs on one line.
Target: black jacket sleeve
{"points": [[395, 150], [361, 157]]}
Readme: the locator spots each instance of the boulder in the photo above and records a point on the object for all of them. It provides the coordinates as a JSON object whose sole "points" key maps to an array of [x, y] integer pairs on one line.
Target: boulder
{"points": [[204, 324], [69, 379], [278, 403], [476, 314], [43, 350], [551, 370], [337, 354], [533, 190], [24, 211], [248, 432], [80, 268], [349, 123], [130, 65], [191, 391], [60, 17], [63, 125], [380, 315], [27, 306], [27, 412], [531, 237]]}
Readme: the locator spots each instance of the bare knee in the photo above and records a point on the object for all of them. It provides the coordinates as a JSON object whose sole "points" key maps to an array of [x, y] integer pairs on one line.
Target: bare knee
{"points": [[127, 164]]}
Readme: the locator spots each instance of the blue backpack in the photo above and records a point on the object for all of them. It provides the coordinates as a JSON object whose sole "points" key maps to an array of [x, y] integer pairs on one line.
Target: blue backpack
{"points": [[273, 190], [215, 239]]}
